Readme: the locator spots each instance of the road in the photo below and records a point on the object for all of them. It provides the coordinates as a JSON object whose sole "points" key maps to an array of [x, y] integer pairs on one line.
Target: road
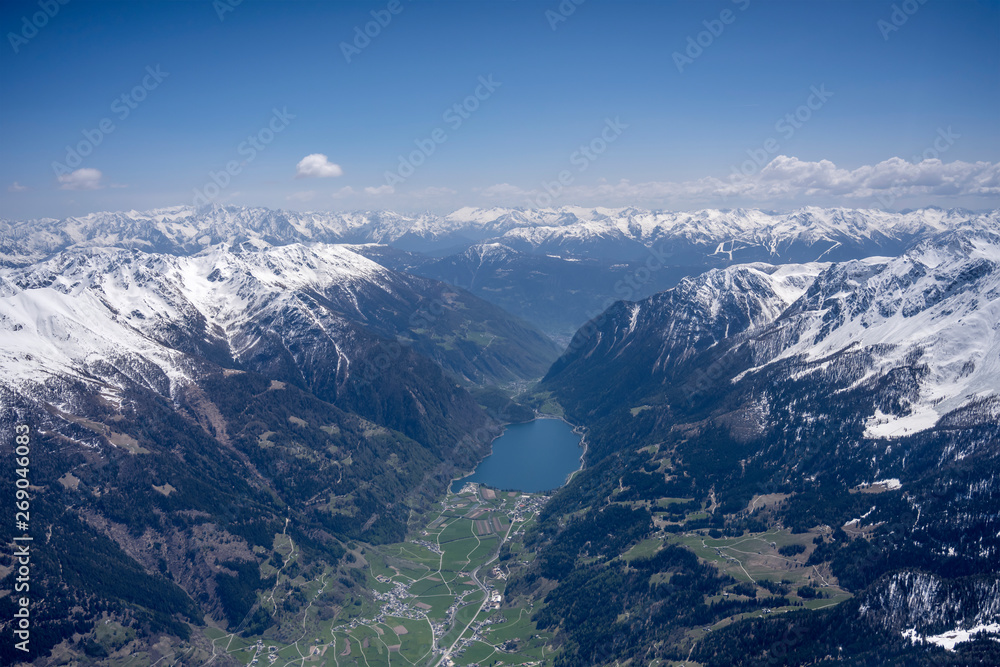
{"points": [[486, 597]]}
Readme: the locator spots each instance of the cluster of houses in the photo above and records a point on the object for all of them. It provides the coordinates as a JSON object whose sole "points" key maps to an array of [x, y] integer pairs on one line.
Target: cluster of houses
{"points": [[477, 630], [258, 649], [527, 504], [428, 545], [395, 601]]}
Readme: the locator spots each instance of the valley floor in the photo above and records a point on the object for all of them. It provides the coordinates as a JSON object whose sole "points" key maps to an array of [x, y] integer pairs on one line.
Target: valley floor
{"points": [[433, 600]]}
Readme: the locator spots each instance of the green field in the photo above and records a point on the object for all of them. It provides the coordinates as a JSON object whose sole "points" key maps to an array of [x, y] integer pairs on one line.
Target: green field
{"points": [[754, 557], [448, 586], [417, 601], [434, 596]]}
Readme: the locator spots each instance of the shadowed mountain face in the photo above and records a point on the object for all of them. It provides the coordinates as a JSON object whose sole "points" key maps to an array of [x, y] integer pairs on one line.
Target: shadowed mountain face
{"points": [[187, 411], [211, 391], [864, 393]]}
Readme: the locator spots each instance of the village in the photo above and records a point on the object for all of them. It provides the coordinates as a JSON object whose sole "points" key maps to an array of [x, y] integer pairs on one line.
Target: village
{"points": [[448, 578]]}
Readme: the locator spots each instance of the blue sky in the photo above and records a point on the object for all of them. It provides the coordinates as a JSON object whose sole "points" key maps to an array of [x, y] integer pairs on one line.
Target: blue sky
{"points": [[678, 105]]}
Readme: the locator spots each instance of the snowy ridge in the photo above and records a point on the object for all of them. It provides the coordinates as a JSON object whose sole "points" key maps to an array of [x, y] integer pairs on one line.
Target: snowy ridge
{"points": [[569, 229], [91, 314], [935, 310], [916, 337], [706, 309], [651, 338]]}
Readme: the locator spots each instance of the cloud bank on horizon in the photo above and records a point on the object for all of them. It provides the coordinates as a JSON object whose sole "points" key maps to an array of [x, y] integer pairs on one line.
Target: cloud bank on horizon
{"points": [[789, 181], [784, 182]]}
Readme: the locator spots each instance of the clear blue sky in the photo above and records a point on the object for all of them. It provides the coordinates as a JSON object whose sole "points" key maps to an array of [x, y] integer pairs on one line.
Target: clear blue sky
{"points": [[672, 136]]}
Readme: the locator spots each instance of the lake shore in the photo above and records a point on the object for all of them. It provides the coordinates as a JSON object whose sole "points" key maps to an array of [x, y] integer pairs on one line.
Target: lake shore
{"points": [[576, 430]]}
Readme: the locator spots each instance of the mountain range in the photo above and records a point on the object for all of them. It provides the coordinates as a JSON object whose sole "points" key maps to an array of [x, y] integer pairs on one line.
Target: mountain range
{"points": [[204, 384], [512, 256], [190, 407], [863, 393]]}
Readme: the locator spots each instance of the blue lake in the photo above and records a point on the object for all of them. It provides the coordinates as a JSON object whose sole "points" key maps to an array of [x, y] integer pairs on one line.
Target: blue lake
{"points": [[530, 457]]}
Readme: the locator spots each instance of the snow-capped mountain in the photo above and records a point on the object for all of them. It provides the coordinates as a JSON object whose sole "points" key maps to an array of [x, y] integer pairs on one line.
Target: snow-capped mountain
{"points": [[935, 309], [75, 314], [185, 408], [698, 313], [741, 234], [810, 377], [932, 314], [531, 262], [862, 397]]}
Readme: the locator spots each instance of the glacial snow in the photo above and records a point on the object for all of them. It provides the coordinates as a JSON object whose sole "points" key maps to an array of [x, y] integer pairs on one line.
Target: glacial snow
{"points": [[60, 317]]}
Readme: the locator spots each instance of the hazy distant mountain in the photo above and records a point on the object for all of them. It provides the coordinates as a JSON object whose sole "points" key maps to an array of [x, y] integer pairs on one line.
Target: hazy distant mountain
{"points": [[556, 268], [741, 234]]}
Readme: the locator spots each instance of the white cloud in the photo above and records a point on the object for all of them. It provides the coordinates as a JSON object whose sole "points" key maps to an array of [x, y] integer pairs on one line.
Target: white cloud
{"points": [[432, 192], [306, 195], [346, 191], [789, 180], [788, 177], [380, 190], [317, 166], [16, 187], [81, 179]]}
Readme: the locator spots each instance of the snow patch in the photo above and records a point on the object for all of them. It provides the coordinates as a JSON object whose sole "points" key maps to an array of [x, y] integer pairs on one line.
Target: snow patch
{"points": [[949, 640], [882, 426]]}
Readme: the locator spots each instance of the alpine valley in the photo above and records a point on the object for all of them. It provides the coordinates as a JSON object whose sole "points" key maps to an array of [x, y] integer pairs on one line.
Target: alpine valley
{"points": [[244, 424]]}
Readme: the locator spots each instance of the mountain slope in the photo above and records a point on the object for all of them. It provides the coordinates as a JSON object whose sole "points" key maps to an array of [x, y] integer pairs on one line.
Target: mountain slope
{"points": [[637, 346], [556, 294], [191, 416], [232, 303], [856, 406]]}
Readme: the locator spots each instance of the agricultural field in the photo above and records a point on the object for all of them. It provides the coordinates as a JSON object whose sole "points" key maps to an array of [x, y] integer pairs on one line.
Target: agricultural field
{"points": [[446, 585], [757, 558], [435, 599]]}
